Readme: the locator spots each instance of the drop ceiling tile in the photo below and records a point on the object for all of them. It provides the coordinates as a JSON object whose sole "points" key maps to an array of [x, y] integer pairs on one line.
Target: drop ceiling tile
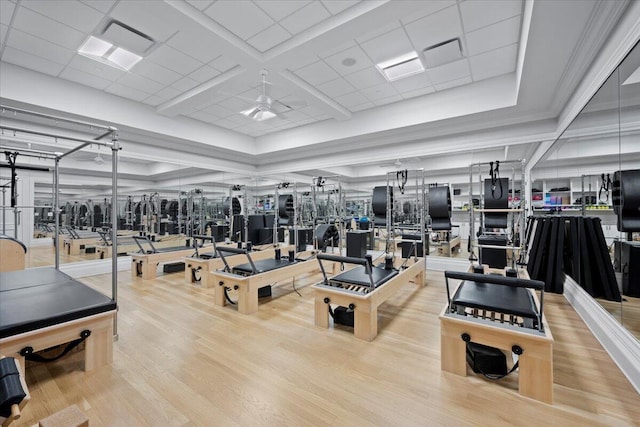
{"points": [[84, 78], [317, 73], [387, 28], [197, 44], [436, 28], [36, 46], [127, 92], [411, 83], [279, 9], [311, 111], [337, 49], [387, 46], [430, 7], [153, 18], [349, 100], [336, 87], [141, 83], [365, 78], [203, 116], [375, 93], [356, 54], [204, 73], [6, 12], [155, 72], [418, 92], [447, 72], [101, 5], [37, 25], [200, 4], [168, 93], [96, 68], [361, 107], [304, 18], [222, 64], [3, 33], [337, 6], [174, 60], [74, 14], [217, 110], [235, 104], [494, 36], [226, 123], [272, 36], [241, 17], [295, 116], [388, 100], [494, 63], [479, 13], [154, 100], [453, 83], [185, 84], [22, 59]]}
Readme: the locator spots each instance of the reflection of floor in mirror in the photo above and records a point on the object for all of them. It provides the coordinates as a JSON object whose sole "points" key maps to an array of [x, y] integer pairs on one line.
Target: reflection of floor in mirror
{"points": [[631, 315], [180, 360], [41, 256]]}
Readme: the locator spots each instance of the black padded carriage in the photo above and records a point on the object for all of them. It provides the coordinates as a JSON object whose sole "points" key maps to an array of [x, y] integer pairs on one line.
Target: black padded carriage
{"points": [[358, 276], [494, 293], [40, 297], [262, 266]]}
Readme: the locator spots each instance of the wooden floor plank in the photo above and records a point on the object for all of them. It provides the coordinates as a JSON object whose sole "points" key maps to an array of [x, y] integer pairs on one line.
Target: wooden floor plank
{"points": [[182, 361]]}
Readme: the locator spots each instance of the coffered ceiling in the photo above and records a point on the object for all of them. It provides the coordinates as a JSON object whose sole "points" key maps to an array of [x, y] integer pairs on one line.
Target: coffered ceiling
{"points": [[179, 107]]}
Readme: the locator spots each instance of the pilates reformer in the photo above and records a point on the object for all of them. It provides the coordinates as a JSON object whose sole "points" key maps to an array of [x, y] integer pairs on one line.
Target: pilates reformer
{"points": [[14, 394], [198, 266], [44, 308], [362, 289], [76, 241], [502, 312], [249, 278], [12, 254], [127, 244], [147, 259]]}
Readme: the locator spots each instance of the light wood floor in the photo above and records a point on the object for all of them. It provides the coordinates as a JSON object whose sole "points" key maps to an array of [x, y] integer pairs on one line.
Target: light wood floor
{"points": [[181, 361]]}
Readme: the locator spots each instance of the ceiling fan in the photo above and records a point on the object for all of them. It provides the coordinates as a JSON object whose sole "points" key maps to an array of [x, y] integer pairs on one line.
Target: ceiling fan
{"points": [[263, 106], [398, 164]]}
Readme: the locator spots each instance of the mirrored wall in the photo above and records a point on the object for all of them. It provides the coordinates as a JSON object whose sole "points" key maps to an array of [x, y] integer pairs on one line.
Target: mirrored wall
{"points": [[580, 179]]}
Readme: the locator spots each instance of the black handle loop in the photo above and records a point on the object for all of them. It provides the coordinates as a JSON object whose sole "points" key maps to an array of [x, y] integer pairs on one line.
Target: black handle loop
{"points": [[28, 352]]}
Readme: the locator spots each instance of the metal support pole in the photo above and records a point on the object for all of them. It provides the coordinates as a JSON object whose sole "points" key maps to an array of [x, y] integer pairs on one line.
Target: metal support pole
{"points": [[295, 217], [276, 214], [56, 197], [114, 226], [389, 218]]}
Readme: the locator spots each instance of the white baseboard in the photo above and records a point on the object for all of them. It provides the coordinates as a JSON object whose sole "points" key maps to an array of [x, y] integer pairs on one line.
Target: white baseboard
{"points": [[92, 268], [45, 241], [621, 345]]}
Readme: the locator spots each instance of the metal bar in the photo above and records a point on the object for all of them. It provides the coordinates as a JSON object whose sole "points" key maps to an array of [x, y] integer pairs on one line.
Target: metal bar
{"points": [[115, 147], [53, 135], [497, 247], [28, 152], [7, 208], [57, 118], [73, 150], [26, 168], [56, 196], [499, 210]]}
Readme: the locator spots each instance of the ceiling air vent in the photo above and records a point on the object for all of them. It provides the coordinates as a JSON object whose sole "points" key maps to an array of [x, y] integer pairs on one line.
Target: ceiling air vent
{"points": [[129, 38], [442, 53]]}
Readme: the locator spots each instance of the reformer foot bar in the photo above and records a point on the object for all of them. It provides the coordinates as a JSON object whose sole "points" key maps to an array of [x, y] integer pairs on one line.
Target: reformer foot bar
{"points": [[145, 262], [43, 308], [362, 289], [248, 278], [502, 312], [198, 268]]}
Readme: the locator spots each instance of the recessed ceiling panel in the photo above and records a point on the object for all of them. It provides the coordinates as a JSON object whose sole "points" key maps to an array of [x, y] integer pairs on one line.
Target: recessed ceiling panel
{"points": [[26, 60], [280, 9], [480, 13], [494, 36], [494, 63], [317, 73], [305, 18], [74, 14], [47, 29], [272, 36], [349, 61], [388, 46], [436, 28], [243, 18]]}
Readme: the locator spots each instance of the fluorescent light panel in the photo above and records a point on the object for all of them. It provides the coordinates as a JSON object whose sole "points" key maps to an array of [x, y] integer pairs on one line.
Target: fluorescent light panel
{"points": [[401, 67], [106, 53]]}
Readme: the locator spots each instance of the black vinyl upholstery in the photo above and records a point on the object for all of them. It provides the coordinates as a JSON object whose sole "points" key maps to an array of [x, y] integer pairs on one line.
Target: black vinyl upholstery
{"points": [[359, 276], [262, 266], [492, 297], [36, 298]]}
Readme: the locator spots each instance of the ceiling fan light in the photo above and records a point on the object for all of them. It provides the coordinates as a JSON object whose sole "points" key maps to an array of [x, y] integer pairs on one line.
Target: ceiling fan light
{"points": [[264, 115]]}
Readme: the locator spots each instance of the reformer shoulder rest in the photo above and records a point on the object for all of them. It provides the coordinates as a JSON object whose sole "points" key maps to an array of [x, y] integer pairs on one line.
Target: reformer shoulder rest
{"points": [[495, 279]]}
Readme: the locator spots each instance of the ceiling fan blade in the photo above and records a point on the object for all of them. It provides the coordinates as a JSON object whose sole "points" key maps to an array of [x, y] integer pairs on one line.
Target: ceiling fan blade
{"points": [[291, 105]]}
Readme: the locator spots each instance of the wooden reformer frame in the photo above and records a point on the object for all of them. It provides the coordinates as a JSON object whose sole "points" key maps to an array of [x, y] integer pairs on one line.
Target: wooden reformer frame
{"points": [[535, 371], [364, 305], [247, 286]]}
